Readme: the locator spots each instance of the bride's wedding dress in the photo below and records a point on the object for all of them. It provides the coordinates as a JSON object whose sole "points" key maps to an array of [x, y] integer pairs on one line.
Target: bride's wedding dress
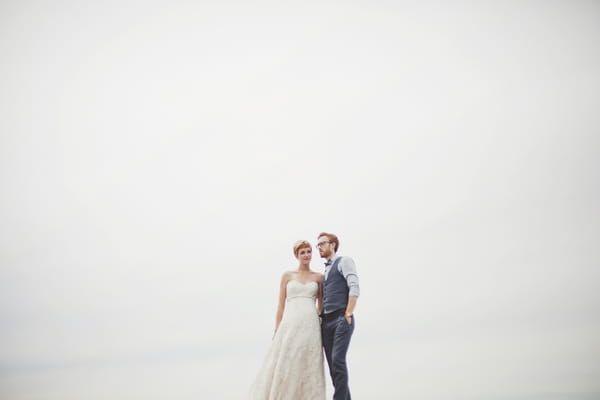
{"points": [[293, 367]]}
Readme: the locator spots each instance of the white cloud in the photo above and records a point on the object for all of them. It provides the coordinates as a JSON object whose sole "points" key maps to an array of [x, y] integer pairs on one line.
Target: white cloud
{"points": [[158, 162]]}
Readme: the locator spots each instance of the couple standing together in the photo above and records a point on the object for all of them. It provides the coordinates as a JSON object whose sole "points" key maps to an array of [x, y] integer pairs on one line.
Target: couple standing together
{"points": [[315, 313]]}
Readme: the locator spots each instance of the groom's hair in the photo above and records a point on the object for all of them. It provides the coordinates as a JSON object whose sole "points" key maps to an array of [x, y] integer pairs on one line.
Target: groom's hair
{"points": [[332, 238]]}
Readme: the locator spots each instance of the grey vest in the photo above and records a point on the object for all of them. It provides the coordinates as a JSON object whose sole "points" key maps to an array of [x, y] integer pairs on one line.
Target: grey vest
{"points": [[335, 289]]}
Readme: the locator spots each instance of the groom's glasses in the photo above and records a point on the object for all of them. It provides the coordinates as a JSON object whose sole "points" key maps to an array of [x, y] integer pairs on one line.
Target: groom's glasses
{"points": [[324, 242]]}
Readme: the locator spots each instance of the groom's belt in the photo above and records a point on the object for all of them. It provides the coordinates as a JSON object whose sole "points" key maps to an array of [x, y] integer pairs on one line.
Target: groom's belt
{"points": [[334, 314]]}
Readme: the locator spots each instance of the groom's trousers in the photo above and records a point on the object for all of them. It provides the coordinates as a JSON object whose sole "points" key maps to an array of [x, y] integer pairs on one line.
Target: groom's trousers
{"points": [[336, 333]]}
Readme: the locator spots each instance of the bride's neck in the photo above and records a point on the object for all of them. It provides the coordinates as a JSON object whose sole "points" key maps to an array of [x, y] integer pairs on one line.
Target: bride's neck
{"points": [[303, 267]]}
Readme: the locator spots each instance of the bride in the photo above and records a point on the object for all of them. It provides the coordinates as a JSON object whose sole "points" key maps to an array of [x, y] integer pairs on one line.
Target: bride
{"points": [[293, 367]]}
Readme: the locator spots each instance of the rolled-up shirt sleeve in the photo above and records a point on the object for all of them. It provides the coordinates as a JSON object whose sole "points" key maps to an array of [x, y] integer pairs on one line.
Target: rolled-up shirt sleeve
{"points": [[348, 269]]}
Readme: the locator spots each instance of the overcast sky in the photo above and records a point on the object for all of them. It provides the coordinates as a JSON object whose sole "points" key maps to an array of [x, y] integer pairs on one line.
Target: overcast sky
{"points": [[159, 159]]}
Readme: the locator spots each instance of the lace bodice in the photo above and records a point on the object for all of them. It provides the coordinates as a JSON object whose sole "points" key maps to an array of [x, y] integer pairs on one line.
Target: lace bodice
{"points": [[299, 289]]}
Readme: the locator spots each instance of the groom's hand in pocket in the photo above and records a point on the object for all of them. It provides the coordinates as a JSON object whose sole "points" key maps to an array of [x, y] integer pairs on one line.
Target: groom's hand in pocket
{"points": [[348, 319]]}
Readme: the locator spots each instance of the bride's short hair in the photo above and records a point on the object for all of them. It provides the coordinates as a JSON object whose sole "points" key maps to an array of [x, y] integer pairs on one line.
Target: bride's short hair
{"points": [[300, 244]]}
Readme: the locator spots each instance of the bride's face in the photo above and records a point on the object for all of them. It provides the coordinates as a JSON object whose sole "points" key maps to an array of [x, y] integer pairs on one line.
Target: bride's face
{"points": [[304, 254]]}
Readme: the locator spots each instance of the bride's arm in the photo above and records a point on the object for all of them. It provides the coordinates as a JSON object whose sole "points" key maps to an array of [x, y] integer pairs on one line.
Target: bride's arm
{"points": [[281, 305], [320, 296]]}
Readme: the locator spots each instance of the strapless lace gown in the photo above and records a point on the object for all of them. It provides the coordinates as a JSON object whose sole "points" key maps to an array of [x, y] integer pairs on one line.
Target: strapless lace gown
{"points": [[293, 367]]}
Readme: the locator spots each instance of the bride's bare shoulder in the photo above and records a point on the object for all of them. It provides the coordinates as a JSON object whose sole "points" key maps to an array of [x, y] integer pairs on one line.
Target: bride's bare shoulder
{"points": [[287, 275]]}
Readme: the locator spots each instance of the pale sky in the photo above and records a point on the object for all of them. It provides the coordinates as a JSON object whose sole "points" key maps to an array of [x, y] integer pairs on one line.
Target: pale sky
{"points": [[159, 159]]}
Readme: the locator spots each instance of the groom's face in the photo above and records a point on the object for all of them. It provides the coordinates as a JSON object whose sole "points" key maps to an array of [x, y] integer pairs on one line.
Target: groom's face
{"points": [[325, 247]]}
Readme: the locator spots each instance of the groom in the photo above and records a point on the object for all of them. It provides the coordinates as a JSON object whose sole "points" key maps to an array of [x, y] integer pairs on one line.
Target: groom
{"points": [[340, 292]]}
